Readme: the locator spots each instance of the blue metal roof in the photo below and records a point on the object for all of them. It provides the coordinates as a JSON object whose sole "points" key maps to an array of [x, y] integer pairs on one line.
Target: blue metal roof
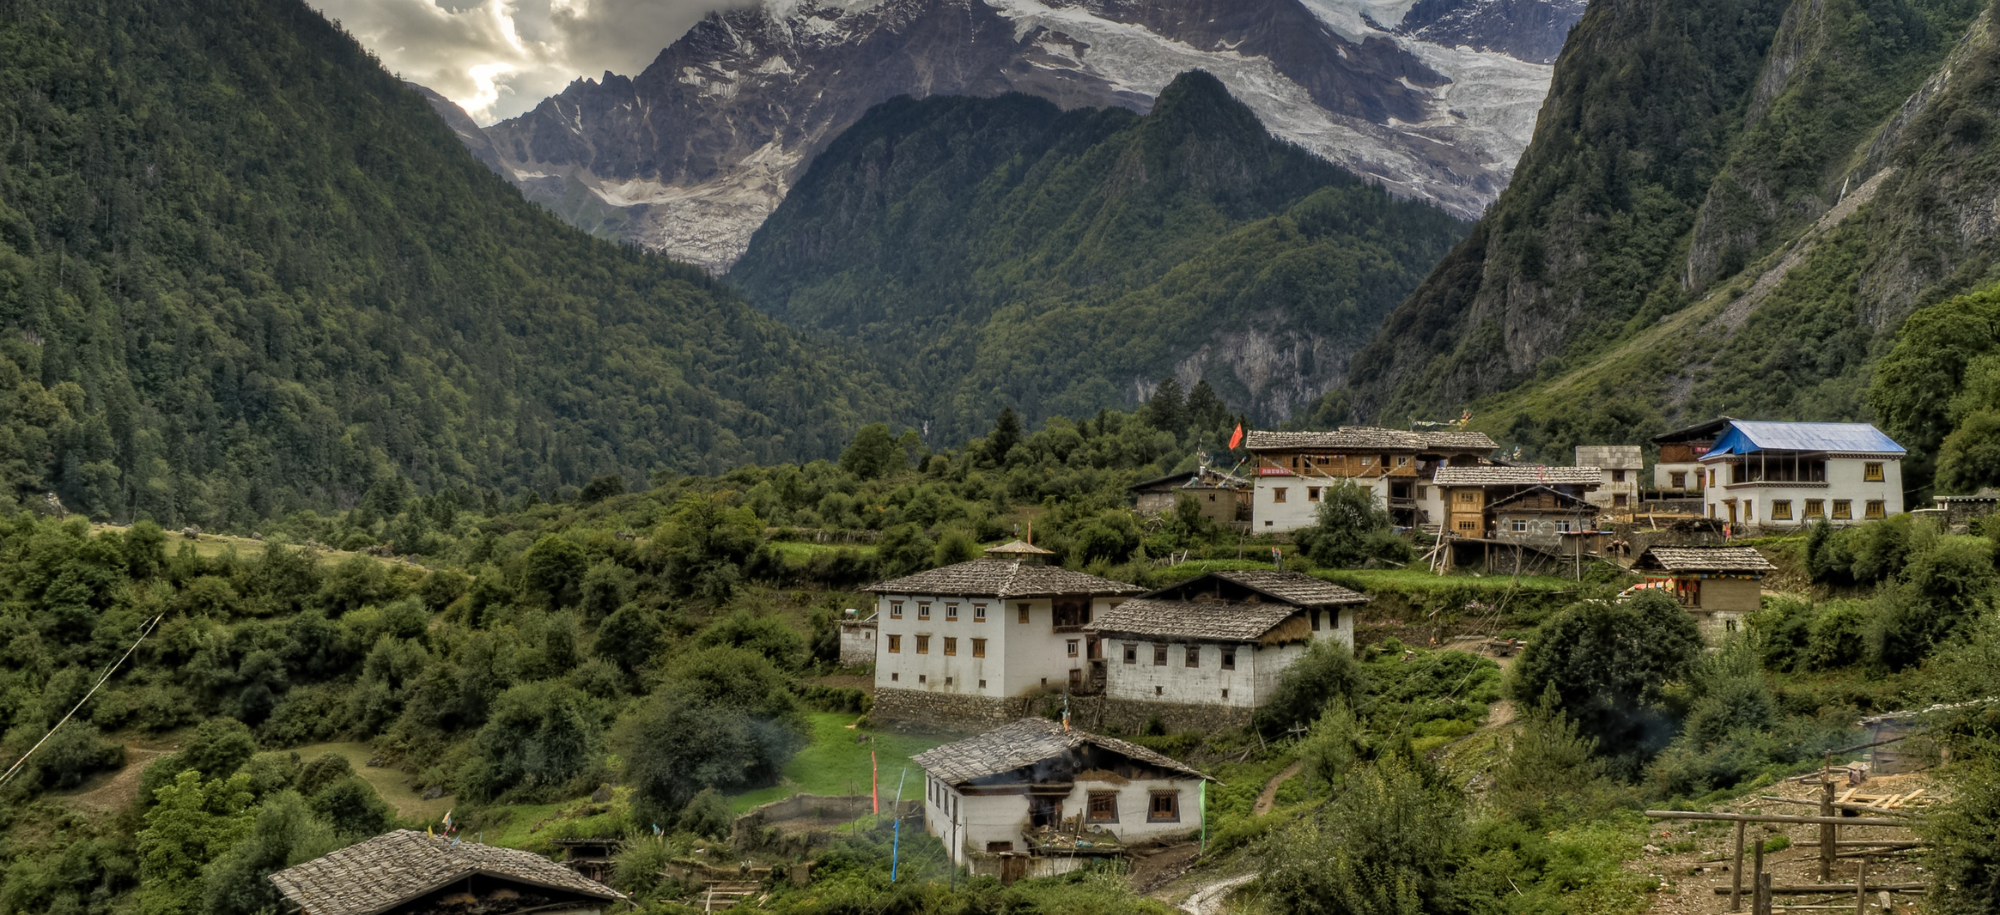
{"points": [[1747, 437]]}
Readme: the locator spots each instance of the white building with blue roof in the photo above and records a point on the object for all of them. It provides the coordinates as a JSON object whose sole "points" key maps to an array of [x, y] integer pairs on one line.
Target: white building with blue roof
{"points": [[1788, 475]]}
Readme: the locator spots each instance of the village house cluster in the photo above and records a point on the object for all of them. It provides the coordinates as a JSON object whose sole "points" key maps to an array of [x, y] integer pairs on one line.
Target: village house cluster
{"points": [[993, 642]]}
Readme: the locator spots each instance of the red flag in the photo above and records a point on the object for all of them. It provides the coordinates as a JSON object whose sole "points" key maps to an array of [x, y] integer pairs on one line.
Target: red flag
{"points": [[1236, 438]]}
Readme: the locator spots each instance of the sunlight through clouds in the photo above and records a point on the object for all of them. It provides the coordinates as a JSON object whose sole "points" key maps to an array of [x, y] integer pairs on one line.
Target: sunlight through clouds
{"points": [[499, 58]]}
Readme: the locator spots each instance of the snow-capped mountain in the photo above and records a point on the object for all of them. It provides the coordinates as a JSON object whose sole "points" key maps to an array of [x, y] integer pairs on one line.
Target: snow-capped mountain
{"points": [[1435, 99]]}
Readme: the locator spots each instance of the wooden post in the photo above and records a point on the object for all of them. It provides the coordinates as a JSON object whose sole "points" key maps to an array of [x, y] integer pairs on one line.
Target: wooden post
{"points": [[1861, 888], [1759, 887], [1736, 872], [1764, 895], [1828, 833]]}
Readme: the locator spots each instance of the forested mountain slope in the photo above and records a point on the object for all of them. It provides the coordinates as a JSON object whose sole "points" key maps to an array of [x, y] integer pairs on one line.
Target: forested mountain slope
{"points": [[243, 270], [1729, 206], [1067, 261]]}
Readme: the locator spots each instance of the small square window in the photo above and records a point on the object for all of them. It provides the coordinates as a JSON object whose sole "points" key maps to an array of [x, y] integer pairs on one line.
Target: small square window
{"points": [[1781, 510], [1564, 527], [1402, 460], [1843, 509], [1022, 611], [895, 609], [923, 610], [1159, 690], [1679, 478], [1618, 476], [1267, 524], [895, 677], [1164, 807], [979, 648], [923, 644], [1225, 694], [950, 645], [1618, 500], [895, 644], [1518, 525], [1072, 647], [1278, 494], [982, 684], [1159, 655], [1872, 471], [1193, 656], [1312, 494], [1815, 508], [951, 612], [923, 678], [1228, 659], [1468, 525], [1876, 508], [947, 681], [979, 613], [1131, 653]]}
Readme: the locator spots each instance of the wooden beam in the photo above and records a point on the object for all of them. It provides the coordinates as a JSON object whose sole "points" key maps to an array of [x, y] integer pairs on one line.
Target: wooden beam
{"points": [[1807, 889], [1777, 818]]}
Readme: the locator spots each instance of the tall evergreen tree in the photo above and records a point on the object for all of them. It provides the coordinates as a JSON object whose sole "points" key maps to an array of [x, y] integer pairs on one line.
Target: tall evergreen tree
{"points": [[1170, 408]]}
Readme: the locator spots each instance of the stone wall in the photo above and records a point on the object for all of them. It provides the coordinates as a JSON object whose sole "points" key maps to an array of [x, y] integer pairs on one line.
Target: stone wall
{"points": [[948, 711]]}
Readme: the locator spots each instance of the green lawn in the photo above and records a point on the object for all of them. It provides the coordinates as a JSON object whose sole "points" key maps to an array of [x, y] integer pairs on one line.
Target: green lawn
{"points": [[1417, 579], [835, 764], [799, 551], [389, 784]]}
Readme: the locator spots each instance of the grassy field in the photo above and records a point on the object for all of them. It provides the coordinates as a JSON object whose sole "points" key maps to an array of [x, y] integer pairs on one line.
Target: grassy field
{"points": [[799, 552], [1416, 579], [209, 546], [388, 783], [835, 764]]}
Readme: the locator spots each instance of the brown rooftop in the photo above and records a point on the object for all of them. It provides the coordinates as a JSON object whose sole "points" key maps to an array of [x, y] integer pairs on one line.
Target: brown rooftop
{"points": [[1002, 578], [386, 871], [1024, 743], [1703, 559], [1293, 587], [1368, 438]]}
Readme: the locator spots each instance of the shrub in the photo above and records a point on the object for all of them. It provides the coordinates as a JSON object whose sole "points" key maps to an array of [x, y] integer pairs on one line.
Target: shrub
{"points": [[1351, 529], [1324, 673], [1608, 665], [1393, 842], [539, 738], [72, 753]]}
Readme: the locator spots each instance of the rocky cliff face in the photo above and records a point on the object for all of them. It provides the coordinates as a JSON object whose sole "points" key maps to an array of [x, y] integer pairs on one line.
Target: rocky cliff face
{"points": [[692, 154], [1729, 206]]}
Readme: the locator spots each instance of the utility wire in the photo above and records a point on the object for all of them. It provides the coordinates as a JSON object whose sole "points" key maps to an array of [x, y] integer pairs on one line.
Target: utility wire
{"points": [[143, 632]]}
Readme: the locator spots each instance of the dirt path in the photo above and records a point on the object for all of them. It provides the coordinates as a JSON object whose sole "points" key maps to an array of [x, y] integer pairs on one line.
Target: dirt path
{"points": [[118, 790], [1156, 868], [1269, 795], [1208, 899]]}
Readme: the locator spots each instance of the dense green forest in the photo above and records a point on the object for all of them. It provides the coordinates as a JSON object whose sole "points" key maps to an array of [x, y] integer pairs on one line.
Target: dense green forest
{"points": [[1729, 207], [244, 270], [1063, 261], [674, 643]]}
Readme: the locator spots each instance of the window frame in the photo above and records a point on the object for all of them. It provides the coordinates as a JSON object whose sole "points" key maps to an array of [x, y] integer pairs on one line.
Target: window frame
{"points": [[1876, 509], [1677, 479], [1071, 645], [923, 609], [1312, 494], [951, 646], [951, 611], [1815, 508], [1159, 654], [1101, 807], [923, 644], [1843, 510], [895, 609], [1025, 611], [1781, 509], [1131, 653], [1172, 806], [1277, 494], [979, 648], [1193, 657], [1871, 472], [979, 613], [1228, 658], [895, 644]]}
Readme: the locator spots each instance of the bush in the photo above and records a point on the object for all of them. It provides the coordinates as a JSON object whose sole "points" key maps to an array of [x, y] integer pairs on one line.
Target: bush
{"points": [[72, 753], [1393, 842], [1961, 853], [1609, 665], [1550, 765], [1351, 529], [1326, 672], [540, 738]]}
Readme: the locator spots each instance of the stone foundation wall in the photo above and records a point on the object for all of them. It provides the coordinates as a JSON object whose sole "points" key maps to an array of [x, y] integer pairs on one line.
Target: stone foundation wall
{"points": [[948, 711]]}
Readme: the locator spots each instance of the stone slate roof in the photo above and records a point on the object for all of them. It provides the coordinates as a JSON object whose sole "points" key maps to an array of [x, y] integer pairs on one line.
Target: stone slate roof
{"points": [[1293, 587], [1529, 475], [1018, 548], [1024, 743], [1364, 438], [1002, 578], [1704, 559], [388, 870], [1192, 620], [1574, 503]]}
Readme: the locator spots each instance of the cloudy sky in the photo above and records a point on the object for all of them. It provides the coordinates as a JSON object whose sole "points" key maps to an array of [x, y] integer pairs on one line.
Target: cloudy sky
{"points": [[498, 58]]}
